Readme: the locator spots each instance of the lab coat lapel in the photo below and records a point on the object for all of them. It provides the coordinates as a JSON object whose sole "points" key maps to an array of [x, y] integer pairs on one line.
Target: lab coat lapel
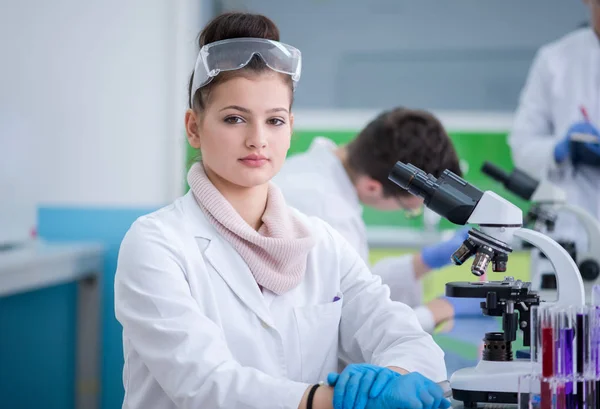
{"points": [[226, 261], [232, 268]]}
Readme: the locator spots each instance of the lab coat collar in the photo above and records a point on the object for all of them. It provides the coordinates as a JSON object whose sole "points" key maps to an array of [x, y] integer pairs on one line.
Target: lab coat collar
{"points": [[225, 259]]}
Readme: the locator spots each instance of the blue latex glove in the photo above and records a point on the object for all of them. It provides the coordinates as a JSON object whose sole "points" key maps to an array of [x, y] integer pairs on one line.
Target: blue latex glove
{"points": [[357, 383], [464, 307], [410, 391], [565, 148], [439, 254]]}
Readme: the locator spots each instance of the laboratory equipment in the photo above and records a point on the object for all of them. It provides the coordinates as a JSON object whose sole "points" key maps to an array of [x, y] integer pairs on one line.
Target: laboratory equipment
{"points": [[564, 369], [547, 200], [495, 378]]}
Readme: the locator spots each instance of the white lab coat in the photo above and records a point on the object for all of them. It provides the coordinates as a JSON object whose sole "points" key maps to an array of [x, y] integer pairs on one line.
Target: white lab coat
{"points": [[564, 76], [316, 183], [198, 332]]}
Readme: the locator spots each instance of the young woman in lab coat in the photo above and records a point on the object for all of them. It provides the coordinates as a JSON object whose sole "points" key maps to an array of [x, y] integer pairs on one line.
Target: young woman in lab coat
{"points": [[334, 182], [231, 299], [561, 101]]}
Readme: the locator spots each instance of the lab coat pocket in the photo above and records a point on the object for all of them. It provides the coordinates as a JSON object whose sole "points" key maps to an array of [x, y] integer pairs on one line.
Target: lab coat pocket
{"points": [[318, 332]]}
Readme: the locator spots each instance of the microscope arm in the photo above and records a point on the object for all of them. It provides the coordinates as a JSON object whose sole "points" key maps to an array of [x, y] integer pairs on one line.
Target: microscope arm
{"points": [[568, 278], [591, 226]]}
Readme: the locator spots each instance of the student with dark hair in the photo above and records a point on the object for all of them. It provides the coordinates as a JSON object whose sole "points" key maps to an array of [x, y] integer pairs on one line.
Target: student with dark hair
{"points": [[334, 182], [228, 297]]}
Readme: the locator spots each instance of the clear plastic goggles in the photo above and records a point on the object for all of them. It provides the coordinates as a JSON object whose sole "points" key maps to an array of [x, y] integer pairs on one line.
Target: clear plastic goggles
{"points": [[236, 53]]}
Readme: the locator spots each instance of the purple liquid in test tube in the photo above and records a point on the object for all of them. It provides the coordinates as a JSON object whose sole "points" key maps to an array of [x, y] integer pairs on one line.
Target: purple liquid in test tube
{"points": [[567, 336], [564, 358], [584, 387], [595, 347]]}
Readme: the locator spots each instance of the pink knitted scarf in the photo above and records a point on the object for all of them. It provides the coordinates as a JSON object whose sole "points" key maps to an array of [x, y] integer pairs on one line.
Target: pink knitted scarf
{"points": [[276, 254]]}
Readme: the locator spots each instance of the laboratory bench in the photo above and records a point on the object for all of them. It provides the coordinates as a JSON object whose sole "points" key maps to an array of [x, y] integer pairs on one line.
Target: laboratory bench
{"points": [[467, 334], [459, 405], [39, 265]]}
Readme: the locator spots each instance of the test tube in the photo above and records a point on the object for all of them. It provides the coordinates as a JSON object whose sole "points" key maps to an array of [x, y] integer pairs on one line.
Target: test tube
{"points": [[529, 393], [596, 295], [535, 338], [565, 328], [595, 349], [583, 357], [547, 352]]}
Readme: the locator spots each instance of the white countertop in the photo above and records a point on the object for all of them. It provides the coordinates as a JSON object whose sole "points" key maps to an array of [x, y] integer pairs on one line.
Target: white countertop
{"points": [[39, 264], [356, 119], [406, 238], [394, 237]]}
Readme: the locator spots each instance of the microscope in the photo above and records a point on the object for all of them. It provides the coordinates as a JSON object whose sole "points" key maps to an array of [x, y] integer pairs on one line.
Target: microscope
{"points": [[547, 200], [495, 378]]}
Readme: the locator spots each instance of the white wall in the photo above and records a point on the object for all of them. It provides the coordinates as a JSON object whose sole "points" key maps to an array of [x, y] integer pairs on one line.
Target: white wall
{"points": [[102, 86], [443, 55]]}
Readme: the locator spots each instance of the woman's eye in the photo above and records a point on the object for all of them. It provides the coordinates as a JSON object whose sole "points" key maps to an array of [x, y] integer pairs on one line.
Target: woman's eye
{"points": [[276, 121], [233, 120]]}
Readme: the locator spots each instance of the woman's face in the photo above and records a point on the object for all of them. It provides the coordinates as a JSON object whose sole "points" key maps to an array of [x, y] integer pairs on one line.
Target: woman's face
{"points": [[245, 130]]}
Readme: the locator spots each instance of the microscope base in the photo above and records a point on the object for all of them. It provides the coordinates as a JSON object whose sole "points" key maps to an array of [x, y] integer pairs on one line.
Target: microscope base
{"points": [[489, 382]]}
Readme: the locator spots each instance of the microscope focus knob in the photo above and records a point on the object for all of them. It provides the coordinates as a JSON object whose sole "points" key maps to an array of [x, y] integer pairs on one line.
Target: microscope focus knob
{"points": [[589, 269]]}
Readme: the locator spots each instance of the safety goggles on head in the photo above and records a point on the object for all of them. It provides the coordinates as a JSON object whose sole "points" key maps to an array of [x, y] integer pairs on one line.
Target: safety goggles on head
{"points": [[236, 53]]}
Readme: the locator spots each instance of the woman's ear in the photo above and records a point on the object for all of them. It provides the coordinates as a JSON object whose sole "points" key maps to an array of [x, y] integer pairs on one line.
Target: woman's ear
{"points": [[192, 129]]}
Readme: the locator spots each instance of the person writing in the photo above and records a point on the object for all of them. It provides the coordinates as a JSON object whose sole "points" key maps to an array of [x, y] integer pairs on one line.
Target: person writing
{"points": [[555, 133], [228, 297]]}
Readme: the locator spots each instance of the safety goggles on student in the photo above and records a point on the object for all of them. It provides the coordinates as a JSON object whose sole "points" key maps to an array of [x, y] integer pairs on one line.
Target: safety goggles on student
{"points": [[236, 53]]}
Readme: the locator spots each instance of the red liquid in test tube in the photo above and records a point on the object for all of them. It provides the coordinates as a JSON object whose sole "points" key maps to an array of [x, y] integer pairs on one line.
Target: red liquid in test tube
{"points": [[547, 365], [547, 353]]}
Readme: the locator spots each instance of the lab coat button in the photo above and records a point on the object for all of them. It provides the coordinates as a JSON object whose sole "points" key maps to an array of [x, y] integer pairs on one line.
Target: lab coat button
{"points": [[265, 325]]}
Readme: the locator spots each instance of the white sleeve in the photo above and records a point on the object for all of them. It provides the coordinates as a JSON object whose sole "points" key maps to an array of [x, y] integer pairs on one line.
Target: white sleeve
{"points": [[377, 330], [532, 137], [398, 273], [183, 349]]}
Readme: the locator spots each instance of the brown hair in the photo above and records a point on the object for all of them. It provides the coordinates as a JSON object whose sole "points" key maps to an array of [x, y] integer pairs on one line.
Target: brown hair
{"points": [[233, 25], [409, 136]]}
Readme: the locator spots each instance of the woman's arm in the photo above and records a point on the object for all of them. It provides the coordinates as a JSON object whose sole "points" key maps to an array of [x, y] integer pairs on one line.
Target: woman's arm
{"points": [[375, 329], [183, 349]]}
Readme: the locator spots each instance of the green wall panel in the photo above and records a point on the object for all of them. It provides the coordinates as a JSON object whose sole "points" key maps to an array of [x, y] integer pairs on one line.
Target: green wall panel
{"points": [[473, 147]]}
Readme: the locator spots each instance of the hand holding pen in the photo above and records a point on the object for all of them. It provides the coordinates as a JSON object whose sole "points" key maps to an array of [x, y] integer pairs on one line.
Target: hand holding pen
{"points": [[581, 143]]}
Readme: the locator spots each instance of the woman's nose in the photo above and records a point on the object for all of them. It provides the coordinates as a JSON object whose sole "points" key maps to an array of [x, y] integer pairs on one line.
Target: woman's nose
{"points": [[257, 138]]}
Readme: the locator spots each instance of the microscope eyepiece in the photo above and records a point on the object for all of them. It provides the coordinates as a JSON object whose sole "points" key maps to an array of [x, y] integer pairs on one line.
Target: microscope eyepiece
{"points": [[413, 179], [495, 172], [449, 195], [518, 182]]}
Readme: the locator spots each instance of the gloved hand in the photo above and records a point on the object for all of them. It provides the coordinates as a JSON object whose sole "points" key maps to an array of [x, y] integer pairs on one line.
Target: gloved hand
{"points": [[410, 391], [357, 383], [438, 255], [567, 148], [464, 307]]}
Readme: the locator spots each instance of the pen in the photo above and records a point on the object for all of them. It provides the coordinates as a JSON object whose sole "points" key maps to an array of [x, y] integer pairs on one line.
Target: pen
{"points": [[584, 113]]}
